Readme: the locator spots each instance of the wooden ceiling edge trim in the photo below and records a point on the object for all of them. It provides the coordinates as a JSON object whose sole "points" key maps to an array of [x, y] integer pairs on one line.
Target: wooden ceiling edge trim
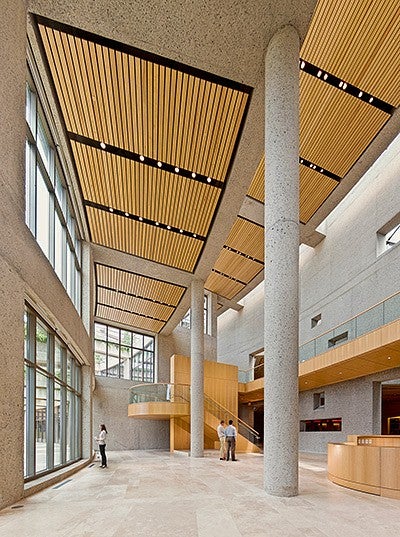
{"points": [[142, 54]]}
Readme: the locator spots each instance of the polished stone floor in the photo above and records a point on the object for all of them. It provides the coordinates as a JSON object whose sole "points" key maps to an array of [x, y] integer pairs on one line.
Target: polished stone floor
{"points": [[156, 494]]}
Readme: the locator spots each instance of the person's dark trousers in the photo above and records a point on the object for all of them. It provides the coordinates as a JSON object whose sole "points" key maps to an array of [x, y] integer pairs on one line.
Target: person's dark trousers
{"points": [[231, 441], [102, 448]]}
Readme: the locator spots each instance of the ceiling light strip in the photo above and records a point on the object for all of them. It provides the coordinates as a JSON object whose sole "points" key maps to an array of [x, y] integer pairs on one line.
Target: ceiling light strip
{"points": [[120, 291], [319, 169], [143, 220], [131, 312], [227, 276], [148, 161], [230, 249], [336, 82]]}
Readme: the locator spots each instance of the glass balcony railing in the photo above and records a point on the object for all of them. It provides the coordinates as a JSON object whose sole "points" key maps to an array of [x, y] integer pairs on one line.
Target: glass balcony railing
{"points": [[180, 393], [160, 392], [383, 313]]}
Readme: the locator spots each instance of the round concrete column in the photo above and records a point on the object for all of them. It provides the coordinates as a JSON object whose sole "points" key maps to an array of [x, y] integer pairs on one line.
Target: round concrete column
{"points": [[281, 423], [197, 370]]}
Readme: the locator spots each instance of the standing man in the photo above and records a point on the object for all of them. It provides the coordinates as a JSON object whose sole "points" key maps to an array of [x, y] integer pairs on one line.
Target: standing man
{"points": [[221, 436], [231, 434]]}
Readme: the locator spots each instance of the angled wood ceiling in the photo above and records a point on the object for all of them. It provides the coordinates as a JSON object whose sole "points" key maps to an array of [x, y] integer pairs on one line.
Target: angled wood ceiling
{"points": [[349, 87], [133, 299], [154, 142]]}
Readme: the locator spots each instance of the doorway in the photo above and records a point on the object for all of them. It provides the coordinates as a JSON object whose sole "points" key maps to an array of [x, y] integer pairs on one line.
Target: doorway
{"points": [[390, 422]]}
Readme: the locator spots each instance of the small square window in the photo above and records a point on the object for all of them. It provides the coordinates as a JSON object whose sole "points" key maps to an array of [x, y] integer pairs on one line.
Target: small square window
{"points": [[315, 321], [319, 400], [337, 340]]}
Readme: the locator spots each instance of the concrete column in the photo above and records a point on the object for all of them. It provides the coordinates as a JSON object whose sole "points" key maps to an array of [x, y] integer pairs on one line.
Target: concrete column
{"points": [[12, 158], [281, 422], [197, 370]]}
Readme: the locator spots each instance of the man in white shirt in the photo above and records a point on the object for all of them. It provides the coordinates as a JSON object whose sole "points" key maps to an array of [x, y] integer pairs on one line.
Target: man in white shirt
{"points": [[230, 435], [221, 436]]}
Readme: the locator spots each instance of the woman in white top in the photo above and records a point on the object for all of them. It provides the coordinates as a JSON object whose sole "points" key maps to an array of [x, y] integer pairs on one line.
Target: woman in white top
{"points": [[101, 439]]}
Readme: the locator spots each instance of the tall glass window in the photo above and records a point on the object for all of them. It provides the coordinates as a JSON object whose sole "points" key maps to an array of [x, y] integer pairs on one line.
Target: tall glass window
{"points": [[185, 322], [49, 213], [52, 400], [123, 354]]}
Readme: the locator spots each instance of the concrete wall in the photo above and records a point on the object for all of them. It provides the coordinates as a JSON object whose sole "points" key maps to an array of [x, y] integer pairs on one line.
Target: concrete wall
{"points": [[25, 273], [110, 406], [339, 278], [357, 402], [343, 275]]}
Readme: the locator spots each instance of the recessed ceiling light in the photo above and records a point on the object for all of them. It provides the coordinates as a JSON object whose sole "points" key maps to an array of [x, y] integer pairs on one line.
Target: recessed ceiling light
{"points": [[344, 85], [126, 214], [111, 209], [193, 175], [321, 170], [103, 145], [340, 83], [301, 161], [371, 99], [157, 223], [141, 157], [181, 231], [325, 76], [140, 218], [168, 227], [177, 170], [208, 179], [302, 65], [319, 74], [159, 164], [360, 94], [389, 357], [194, 235]]}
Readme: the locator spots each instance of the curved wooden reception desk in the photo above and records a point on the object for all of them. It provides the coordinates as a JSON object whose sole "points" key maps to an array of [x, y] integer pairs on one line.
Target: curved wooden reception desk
{"points": [[367, 463]]}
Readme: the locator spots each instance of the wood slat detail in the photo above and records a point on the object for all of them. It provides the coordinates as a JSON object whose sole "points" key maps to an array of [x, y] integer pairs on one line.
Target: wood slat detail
{"points": [[138, 189], [143, 240], [335, 128], [314, 189], [144, 107], [248, 238], [129, 319], [358, 42], [256, 189], [216, 283], [134, 305], [142, 286], [237, 266]]}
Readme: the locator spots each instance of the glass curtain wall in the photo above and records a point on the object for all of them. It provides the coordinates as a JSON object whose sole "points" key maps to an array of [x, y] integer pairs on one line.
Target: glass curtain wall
{"points": [[123, 354], [49, 213], [52, 400]]}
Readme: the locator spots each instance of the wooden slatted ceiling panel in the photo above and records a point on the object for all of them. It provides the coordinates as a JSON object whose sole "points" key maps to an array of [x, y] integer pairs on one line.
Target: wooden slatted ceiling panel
{"points": [[335, 128], [147, 108], [314, 188], [359, 42], [129, 282], [256, 189], [129, 319], [247, 238], [134, 305], [216, 283], [237, 266], [143, 240], [149, 192]]}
